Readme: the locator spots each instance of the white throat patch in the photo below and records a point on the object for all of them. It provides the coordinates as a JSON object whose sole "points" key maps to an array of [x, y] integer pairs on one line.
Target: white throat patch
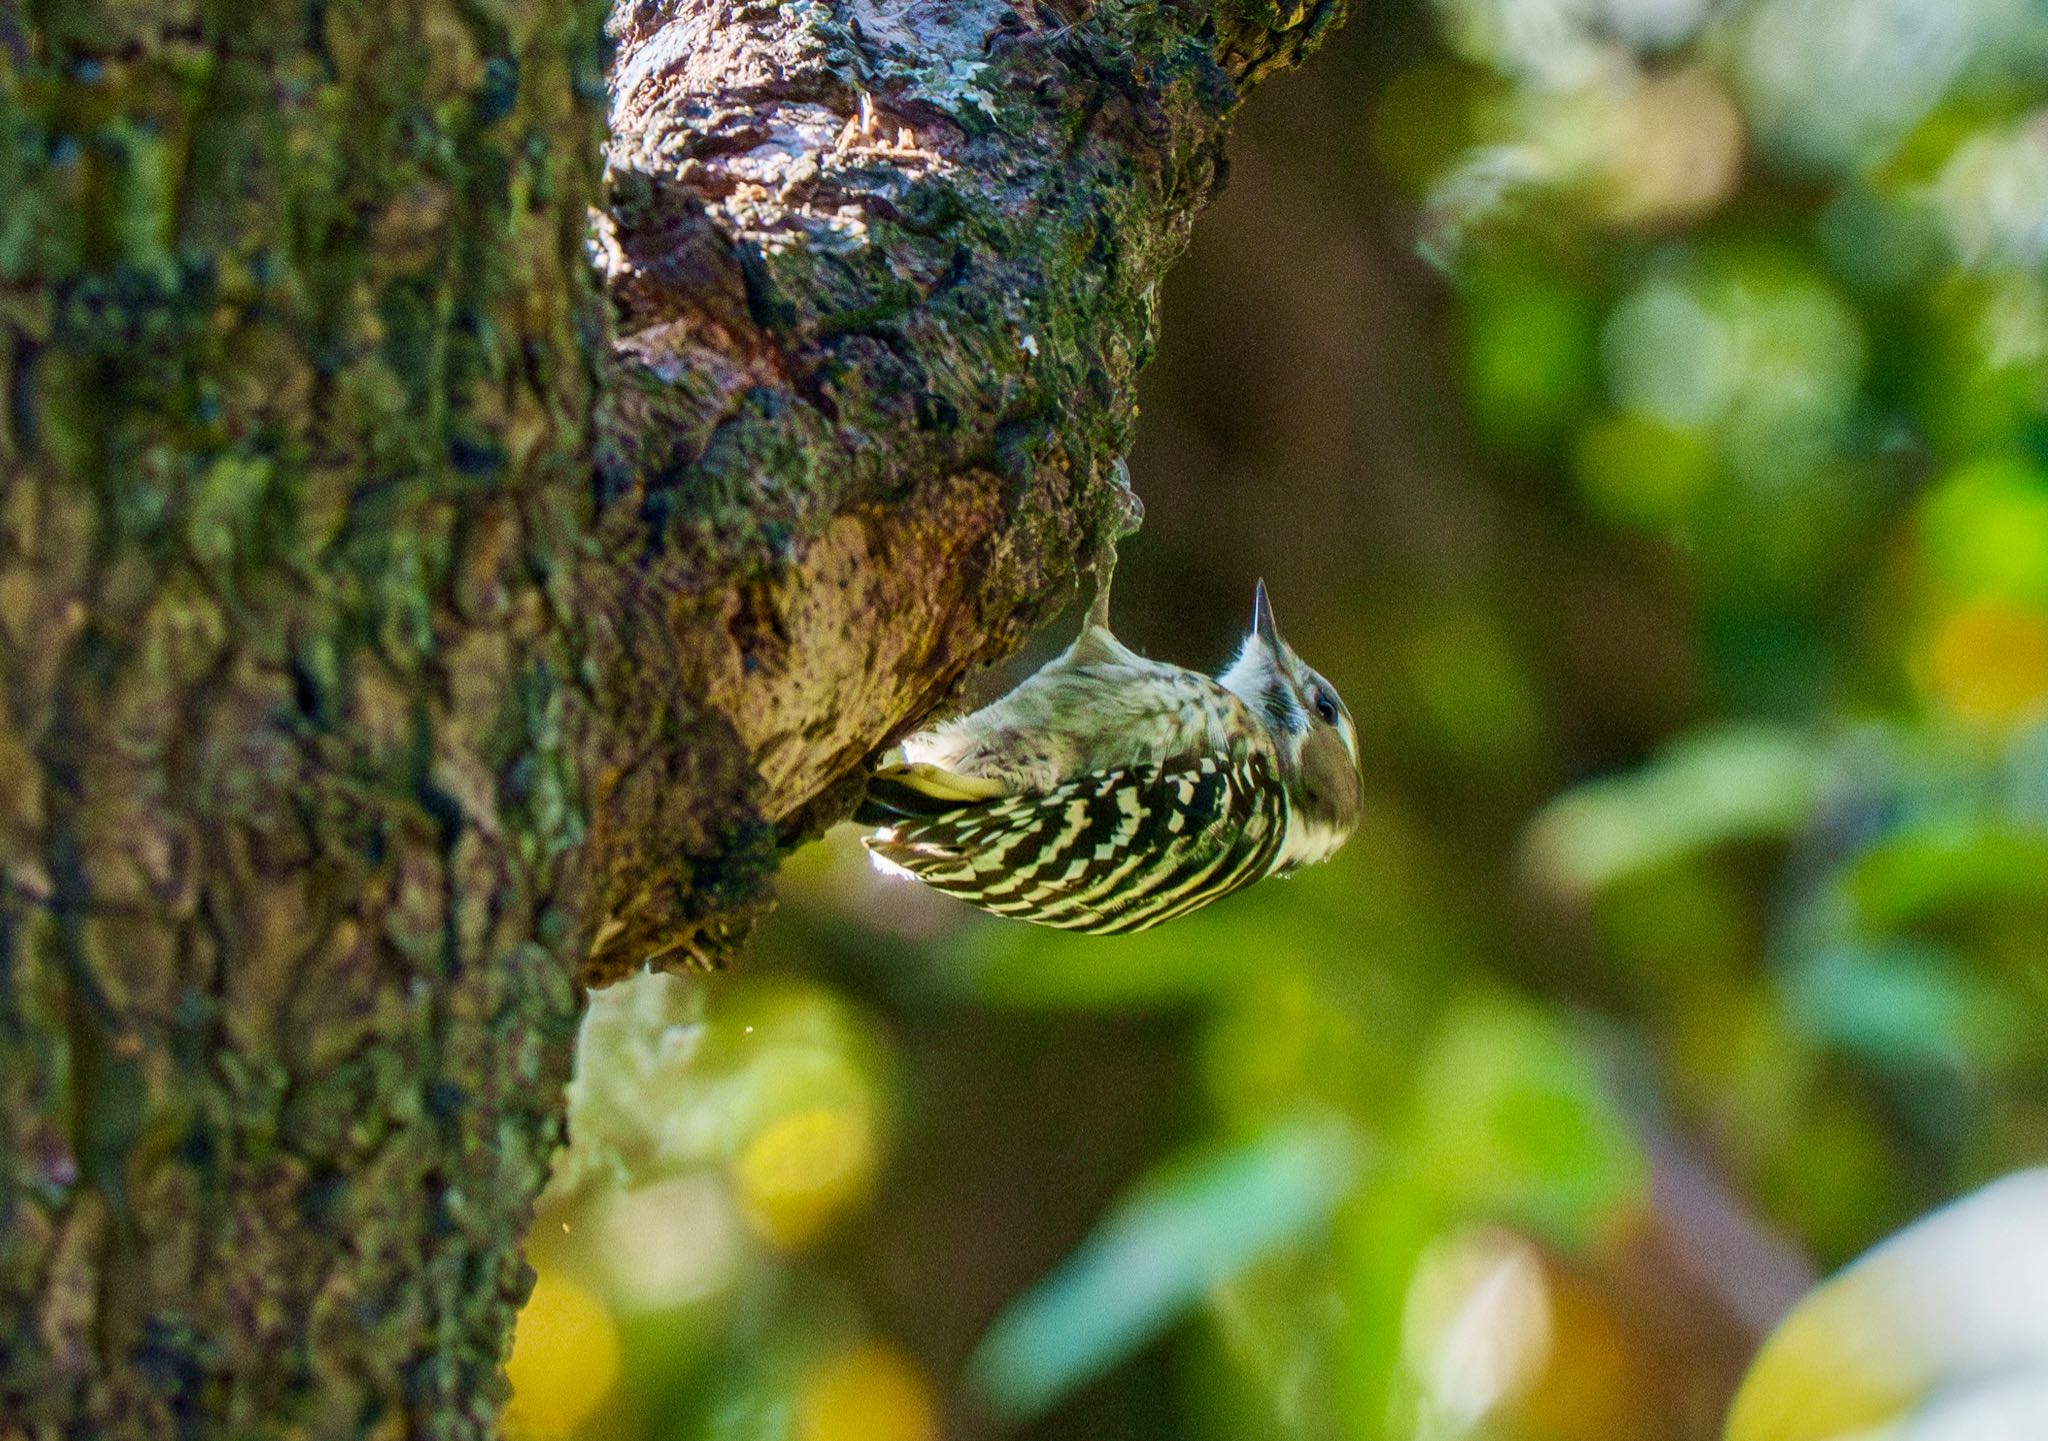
{"points": [[1306, 842]]}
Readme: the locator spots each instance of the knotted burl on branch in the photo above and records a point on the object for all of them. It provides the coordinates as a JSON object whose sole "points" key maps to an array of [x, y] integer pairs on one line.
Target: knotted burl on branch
{"points": [[883, 275]]}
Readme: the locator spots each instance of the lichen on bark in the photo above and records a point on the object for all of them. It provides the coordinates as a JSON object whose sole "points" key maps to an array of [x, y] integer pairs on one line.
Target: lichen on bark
{"points": [[394, 637]]}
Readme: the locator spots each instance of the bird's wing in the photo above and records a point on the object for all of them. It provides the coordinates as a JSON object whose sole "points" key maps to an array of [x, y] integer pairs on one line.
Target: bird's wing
{"points": [[1107, 852]]}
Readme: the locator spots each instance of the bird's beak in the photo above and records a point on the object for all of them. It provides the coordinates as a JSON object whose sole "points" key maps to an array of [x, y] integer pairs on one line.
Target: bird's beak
{"points": [[1263, 624]]}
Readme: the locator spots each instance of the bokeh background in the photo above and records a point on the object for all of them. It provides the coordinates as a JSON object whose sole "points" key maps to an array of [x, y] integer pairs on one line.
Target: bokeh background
{"points": [[1636, 407]]}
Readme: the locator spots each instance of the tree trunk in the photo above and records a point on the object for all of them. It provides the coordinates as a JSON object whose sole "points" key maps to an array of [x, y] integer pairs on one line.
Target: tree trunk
{"points": [[395, 638]]}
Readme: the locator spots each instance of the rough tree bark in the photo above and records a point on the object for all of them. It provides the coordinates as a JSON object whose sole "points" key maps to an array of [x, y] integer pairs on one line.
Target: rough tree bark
{"points": [[395, 638]]}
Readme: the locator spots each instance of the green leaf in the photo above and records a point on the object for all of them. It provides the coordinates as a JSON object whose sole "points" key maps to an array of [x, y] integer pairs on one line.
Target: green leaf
{"points": [[1985, 529], [1160, 1252], [1513, 1123], [1947, 867], [1903, 1004], [1740, 783]]}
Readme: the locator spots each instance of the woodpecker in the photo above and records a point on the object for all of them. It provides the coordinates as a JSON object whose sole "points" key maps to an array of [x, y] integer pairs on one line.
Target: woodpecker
{"points": [[1108, 792]]}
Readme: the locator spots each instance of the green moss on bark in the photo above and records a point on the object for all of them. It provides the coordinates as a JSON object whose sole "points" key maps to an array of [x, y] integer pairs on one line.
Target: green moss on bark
{"points": [[294, 333]]}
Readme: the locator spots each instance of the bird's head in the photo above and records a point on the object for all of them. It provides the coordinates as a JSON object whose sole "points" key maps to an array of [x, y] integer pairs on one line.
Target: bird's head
{"points": [[1312, 732]]}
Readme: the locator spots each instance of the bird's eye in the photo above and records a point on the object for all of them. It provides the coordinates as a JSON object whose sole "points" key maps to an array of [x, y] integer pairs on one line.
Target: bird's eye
{"points": [[1325, 704]]}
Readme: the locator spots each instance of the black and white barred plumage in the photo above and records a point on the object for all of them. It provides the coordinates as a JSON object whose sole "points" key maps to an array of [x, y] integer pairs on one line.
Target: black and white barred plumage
{"points": [[1109, 793]]}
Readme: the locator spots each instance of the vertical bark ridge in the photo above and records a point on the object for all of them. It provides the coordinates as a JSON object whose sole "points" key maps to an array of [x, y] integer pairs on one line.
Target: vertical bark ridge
{"points": [[294, 337]]}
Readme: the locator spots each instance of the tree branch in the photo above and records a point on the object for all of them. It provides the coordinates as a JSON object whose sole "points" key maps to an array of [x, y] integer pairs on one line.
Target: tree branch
{"points": [[884, 273]]}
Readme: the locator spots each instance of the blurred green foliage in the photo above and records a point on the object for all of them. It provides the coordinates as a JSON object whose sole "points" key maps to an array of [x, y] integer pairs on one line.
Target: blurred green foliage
{"points": [[1678, 530]]}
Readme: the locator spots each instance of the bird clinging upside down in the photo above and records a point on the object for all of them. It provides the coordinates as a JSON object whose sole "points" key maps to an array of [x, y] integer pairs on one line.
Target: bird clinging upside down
{"points": [[1108, 792]]}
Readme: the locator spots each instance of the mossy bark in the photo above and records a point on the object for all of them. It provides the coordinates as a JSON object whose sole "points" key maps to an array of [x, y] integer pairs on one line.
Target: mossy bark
{"points": [[393, 641], [295, 395], [884, 273]]}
